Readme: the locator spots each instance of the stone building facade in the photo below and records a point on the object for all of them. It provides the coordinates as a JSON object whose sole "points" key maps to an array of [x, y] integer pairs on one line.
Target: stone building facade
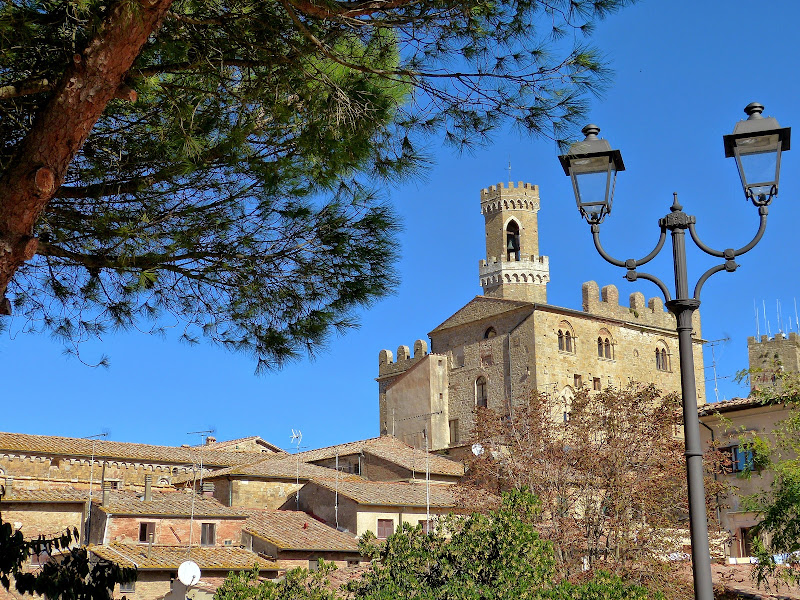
{"points": [[507, 343]]}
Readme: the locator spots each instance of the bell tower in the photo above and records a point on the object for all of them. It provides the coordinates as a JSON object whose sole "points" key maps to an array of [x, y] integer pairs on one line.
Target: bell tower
{"points": [[513, 268]]}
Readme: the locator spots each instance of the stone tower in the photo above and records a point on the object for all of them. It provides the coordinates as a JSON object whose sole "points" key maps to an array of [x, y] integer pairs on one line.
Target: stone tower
{"points": [[773, 356], [513, 269]]}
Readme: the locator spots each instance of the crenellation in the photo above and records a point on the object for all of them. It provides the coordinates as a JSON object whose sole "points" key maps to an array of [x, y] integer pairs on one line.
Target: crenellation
{"points": [[403, 353], [420, 348], [610, 295], [636, 301]]}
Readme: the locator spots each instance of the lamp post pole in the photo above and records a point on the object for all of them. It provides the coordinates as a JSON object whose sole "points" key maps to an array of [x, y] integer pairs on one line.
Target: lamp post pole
{"points": [[756, 143]]}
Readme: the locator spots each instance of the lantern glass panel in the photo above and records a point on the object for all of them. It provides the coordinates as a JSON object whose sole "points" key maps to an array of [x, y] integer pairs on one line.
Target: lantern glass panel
{"points": [[758, 157]]}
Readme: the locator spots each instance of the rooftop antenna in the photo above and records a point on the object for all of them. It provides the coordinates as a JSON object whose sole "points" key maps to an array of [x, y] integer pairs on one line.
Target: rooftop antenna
{"points": [[427, 481], [712, 344], [766, 321], [796, 321], [91, 478], [758, 321], [296, 438], [778, 314], [509, 168], [203, 437], [336, 493]]}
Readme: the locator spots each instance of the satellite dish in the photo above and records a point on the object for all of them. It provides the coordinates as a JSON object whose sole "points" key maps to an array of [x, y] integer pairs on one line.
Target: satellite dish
{"points": [[477, 449], [188, 573]]}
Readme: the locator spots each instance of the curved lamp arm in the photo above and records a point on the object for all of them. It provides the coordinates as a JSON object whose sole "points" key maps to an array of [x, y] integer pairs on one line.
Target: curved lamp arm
{"points": [[730, 253], [630, 263], [729, 266], [633, 276]]}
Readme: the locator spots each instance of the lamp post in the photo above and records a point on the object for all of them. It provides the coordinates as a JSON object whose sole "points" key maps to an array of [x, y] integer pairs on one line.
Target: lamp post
{"points": [[592, 164]]}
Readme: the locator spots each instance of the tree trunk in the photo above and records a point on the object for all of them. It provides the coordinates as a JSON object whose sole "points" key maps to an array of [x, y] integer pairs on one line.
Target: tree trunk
{"points": [[43, 157]]}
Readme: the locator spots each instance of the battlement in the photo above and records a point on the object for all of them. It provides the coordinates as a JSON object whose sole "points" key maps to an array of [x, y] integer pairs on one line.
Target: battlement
{"points": [[387, 364], [522, 196], [541, 261], [778, 337], [605, 303]]}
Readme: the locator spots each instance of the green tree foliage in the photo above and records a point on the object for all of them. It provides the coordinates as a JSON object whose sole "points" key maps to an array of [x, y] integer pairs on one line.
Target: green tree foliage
{"points": [[231, 187], [492, 556], [71, 575]]}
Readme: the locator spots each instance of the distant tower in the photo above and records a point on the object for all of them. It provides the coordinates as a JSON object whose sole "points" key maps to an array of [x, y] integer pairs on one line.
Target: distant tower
{"points": [[772, 356], [513, 268]]}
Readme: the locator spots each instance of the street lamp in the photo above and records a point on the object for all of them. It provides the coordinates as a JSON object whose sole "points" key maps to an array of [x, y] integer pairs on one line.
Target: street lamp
{"points": [[756, 143]]}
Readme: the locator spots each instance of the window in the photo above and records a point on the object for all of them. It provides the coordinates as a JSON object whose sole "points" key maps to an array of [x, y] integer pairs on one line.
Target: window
{"points": [[114, 485], [127, 588], [741, 459], [208, 534], [607, 348], [512, 241], [662, 357], [481, 392], [425, 524], [746, 541], [353, 563], [146, 529], [596, 384], [385, 528], [454, 431], [578, 381], [489, 333], [600, 347], [566, 337], [40, 559], [313, 564]]}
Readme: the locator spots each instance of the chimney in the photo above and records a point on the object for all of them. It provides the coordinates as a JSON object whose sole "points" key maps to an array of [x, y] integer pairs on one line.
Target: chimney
{"points": [[148, 488], [211, 440], [208, 489], [106, 493], [150, 538], [9, 487]]}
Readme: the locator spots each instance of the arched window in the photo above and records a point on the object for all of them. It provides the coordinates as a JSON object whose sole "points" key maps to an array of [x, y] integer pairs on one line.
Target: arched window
{"points": [[662, 357], [489, 333], [607, 348], [605, 344], [481, 392], [512, 240], [567, 341], [600, 347]]}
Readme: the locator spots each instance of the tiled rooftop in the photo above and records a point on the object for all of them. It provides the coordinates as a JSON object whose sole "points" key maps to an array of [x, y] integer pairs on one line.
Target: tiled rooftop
{"points": [[156, 557], [276, 467], [166, 504], [393, 450], [232, 445], [54, 495], [729, 405], [380, 493], [104, 449], [293, 530]]}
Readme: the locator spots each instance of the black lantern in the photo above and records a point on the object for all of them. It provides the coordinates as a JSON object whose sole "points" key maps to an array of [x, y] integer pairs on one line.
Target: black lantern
{"points": [[593, 166], [757, 144]]}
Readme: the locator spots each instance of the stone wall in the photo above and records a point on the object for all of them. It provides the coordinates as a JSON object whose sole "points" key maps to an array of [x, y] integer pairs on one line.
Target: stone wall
{"points": [[770, 355], [44, 518], [255, 493]]}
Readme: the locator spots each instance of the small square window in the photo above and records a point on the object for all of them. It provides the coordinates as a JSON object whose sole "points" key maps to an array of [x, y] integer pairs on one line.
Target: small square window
{"points": [[127, 588], [146, 529], [578, 381], [208, 534], [596, 386], [385, 528]]}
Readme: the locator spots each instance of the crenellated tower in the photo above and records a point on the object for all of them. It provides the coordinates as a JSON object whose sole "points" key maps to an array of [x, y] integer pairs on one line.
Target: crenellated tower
{"points": [[513, 268]]}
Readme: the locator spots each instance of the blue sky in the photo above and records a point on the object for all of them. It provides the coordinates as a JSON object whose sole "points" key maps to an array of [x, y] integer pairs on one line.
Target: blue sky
{"points": [[683, 73]]}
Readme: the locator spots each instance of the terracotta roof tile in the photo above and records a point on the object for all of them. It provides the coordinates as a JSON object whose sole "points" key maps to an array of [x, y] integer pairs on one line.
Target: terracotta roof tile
{"points": [[380, 493], [55, 495], [393, 450], [730, 405], [105, 449], [275, 467], [167, 504], [217, 558], [228, 444], [293, 530]]}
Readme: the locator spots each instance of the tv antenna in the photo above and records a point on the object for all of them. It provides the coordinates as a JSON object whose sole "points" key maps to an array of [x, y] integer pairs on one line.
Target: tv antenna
{"points": [[296, 438], [712, 344]]}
